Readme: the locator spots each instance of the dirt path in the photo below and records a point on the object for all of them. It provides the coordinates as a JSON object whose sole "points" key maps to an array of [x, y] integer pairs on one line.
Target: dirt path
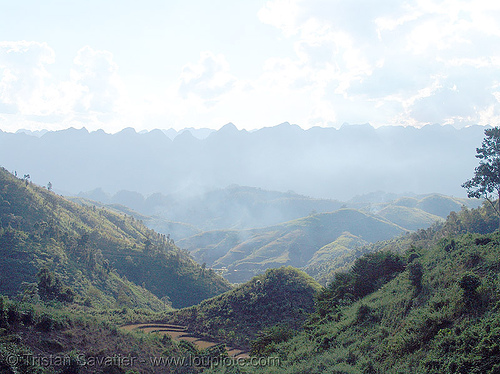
{"points": [[178, 332]]}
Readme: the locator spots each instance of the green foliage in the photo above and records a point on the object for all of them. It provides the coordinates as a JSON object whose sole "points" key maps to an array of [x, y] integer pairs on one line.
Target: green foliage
{"points": [[36, 335], [373, 270], [415, 273], [486, 181], [368, 273], [51, 288], [266, 341], [486, 178], [469, 282]]}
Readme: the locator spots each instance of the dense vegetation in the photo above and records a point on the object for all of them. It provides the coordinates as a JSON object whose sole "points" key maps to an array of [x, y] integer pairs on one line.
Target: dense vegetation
{"points": [[431, 308], [284, 295], [106, 259], [74, 274]]}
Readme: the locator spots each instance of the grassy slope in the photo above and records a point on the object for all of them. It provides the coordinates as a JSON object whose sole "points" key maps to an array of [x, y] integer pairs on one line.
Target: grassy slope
{"points": [[284, 295], [336, 256], [403, 327], [441, 206], [106, 257], [292, 243], [409, 217]]}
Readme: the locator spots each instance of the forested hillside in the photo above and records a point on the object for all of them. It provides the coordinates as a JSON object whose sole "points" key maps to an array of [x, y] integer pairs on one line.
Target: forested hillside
{"points": [[105, 258]]}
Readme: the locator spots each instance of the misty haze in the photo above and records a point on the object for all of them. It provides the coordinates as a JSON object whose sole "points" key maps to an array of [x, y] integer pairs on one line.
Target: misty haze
{"points": [[267, 186]]}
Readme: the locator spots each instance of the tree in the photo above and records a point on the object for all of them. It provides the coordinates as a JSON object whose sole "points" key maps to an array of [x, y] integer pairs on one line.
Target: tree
{"points": [[51, 288], [486, 181], [416, 272]]}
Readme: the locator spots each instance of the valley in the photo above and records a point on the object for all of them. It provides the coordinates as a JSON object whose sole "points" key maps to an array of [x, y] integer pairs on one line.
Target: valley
{"points": [[226, 229], [382, 282]]}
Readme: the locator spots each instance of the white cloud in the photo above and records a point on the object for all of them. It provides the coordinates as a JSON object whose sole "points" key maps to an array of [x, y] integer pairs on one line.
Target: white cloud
{"points": [[391, 62], [24, 77], [31, 96], [282, 14], [95, 75], [386, 62], [208, 79]]}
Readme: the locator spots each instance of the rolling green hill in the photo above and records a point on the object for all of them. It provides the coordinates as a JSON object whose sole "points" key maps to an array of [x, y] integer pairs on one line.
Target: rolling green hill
{"points": [[422, 208], [172, 229], [284, 296], [440, 205], [409, 217], [295, 243], [106, 258], [336, 256], [239, 251]]}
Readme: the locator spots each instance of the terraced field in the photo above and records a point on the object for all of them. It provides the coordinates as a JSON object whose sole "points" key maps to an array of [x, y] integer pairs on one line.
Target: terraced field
{"points": [[179, 332]]}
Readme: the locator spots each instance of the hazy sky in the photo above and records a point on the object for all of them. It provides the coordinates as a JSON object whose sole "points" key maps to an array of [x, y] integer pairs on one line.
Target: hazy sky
{"points": [[167, 63]]}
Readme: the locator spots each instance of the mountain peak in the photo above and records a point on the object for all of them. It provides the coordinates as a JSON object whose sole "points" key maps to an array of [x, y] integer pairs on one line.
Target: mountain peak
{"points": [[346, 125], [228, 128], [127, 131], [184, 137], [156, 133]]}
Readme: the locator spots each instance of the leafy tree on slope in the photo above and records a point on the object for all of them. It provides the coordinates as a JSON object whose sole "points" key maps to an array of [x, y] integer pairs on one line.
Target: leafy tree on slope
{"points": [[486, 181]]}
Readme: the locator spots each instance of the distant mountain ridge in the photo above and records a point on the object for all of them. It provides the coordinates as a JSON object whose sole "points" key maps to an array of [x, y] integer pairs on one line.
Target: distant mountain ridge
{"points": [[320, 162]]}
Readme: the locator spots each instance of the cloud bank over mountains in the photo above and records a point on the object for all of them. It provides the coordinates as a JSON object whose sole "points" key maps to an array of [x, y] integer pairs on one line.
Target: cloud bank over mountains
{"points": [[312, 63]]}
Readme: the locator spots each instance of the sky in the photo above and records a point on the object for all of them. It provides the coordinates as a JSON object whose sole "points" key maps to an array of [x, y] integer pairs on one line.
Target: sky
{"points": [[196, 63]]}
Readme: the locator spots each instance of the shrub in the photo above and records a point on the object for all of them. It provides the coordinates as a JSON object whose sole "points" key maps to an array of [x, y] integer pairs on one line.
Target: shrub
{"points": [[13, 315], [265, 342], [46, 323], [51, 288], [363, 313], [373, 270], [416, 272], [469, 284]]}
